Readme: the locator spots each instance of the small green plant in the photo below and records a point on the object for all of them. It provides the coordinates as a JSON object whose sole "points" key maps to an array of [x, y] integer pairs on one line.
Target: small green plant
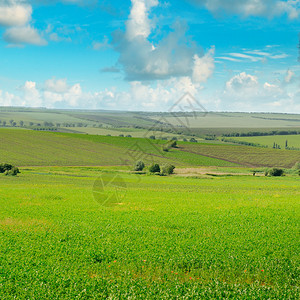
{"points": [[139, 166], [154, 168]]}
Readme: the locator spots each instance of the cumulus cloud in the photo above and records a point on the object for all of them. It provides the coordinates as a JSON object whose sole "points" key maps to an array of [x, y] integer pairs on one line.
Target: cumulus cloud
{"points": [[16, 16], [14, 13], [56, 85], [173, 56], [262, 8], [245, 92], [241, 82], [24, 35]]}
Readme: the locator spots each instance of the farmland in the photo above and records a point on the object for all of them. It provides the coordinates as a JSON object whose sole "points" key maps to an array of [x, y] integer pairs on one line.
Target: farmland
{"points": [[211, 230], [36, 148], [293, 141], [216, 237]]}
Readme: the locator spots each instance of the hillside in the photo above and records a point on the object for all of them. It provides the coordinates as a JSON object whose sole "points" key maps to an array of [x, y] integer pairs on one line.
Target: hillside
{"points": [[38, 148]]}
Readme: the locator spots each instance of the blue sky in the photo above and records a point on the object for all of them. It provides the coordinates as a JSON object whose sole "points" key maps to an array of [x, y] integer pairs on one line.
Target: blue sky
{"points": [[145, 54]]}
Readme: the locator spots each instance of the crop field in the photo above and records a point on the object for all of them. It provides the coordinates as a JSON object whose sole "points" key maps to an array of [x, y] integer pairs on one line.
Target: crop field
{"points": [[234, 120], [185, 238], [246, 155], [293, 141], [37, 148]]}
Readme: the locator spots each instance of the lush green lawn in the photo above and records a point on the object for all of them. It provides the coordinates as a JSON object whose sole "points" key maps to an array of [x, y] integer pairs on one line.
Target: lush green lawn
{"points": [[168, 237]]}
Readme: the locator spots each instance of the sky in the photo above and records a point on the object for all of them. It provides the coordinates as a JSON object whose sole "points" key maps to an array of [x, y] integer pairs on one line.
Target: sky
{"points": [[144, 55]]}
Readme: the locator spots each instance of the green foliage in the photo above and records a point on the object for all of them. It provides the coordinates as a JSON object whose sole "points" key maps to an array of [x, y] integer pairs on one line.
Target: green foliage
{"points": [[5, 167], [275, 172], [139, 166], [193, 140], [154, 168], [167, 169], [13, 172]]}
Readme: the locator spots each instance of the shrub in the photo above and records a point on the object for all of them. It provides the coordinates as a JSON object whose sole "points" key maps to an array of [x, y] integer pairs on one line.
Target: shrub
{"points": [[13, 172], [168, 169], [139, 166], [5, 167], [166, 147], [173, 144], [276, 172], [193, 140], [154, 168]]}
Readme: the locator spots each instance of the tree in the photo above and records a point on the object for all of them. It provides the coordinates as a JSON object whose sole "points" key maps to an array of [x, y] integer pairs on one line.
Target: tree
{"points": [[21, 123], [30, 123], [13, 172], [193, 140], [275, 172], [154, 168], [152, 137], [168, 169], [139, 166], [286, 144], [4, 123]]}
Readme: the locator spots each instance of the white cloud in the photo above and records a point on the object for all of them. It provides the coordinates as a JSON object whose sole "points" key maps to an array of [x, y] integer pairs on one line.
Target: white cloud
{"points": [[56, 85], [138, 23], [14, 13], [31, 94], [241, 83], [24, 35], [16, 16], [173, 56], [262, 8], [203, 66]]}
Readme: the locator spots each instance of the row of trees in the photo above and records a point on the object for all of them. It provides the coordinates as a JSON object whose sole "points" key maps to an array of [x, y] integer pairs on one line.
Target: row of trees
{"points": [[258, 133], [155, 168]]}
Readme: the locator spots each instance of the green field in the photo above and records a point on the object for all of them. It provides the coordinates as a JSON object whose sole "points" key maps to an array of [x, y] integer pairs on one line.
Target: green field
{"points": [[293, 141], [38, 148], [168, 238]]}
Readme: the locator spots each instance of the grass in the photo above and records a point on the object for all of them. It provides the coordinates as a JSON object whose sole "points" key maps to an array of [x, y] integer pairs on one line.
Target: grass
{"points": [[171, 237]]}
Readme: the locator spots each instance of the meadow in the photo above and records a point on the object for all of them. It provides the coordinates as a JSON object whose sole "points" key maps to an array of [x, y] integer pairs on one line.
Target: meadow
{"points": [[166, 238]]}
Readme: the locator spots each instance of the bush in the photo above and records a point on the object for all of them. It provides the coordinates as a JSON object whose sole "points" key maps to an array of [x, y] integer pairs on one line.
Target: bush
{"points": [[5, 167], [154, 168], [276, 172], [13, 172], [193, 140], [139, 166], [166, 147], [168, 169], [173, 144]]}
